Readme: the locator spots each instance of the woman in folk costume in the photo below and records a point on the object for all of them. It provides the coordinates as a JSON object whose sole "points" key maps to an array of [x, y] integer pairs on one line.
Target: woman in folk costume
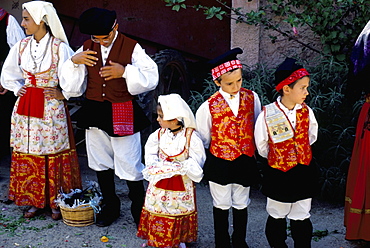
{"points": [[174, 157], [44, 158], [357, 200]]}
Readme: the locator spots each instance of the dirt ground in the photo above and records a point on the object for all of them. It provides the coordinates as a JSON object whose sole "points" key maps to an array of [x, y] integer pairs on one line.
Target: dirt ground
{"points": [[45, 232]]}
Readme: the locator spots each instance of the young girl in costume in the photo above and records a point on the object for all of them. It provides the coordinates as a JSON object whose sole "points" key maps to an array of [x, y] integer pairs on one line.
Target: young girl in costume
{"points": [[44, 159], [174, 157]]}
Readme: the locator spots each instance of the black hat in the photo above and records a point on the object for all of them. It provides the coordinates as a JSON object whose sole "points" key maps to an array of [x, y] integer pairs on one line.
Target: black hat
{"points": [[285, 69], [96, 21], [225, 62], [288, 72], [228, 56]]}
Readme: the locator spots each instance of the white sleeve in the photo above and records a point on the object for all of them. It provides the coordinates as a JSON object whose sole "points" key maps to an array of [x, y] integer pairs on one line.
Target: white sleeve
{"points": [[14, 32], [142, 74], [313, 127], [197, 157], [204, 123], [261, 135], [73, 78], [151, 149], [257, 106], [11, 75]]}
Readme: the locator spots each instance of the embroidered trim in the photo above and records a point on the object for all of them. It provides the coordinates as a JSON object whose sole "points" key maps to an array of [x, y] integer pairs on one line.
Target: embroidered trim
{"points": [[278, 125], [225, 67]]}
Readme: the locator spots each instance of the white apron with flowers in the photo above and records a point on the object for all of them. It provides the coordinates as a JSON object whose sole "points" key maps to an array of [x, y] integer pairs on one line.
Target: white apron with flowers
{"points": [[176, 195], [49, 134]]}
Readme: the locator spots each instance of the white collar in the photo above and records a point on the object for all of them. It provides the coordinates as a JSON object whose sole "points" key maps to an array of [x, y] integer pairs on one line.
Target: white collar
{"points": [[227, 95], [285, 109]]}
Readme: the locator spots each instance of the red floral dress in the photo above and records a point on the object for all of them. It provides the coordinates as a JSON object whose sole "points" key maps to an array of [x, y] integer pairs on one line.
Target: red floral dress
{"points": [[169, 216], [44, 158]]}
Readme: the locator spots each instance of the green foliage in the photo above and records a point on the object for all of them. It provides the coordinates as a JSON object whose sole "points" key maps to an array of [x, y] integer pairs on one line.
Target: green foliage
{"points": [[336, 23], [333, 148], [13, 226]]}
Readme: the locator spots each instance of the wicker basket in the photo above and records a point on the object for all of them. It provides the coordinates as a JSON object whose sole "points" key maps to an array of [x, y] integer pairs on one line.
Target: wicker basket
{"points": [[82, 215]]}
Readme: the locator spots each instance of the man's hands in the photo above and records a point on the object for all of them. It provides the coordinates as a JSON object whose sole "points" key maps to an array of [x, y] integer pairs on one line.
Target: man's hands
{"points": [[86, 57], [114, 70], [108, 72]]}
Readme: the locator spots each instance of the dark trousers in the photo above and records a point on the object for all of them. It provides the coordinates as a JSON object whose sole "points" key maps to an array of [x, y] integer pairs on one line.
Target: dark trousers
{"points": [[111, 203], [6, 105]]}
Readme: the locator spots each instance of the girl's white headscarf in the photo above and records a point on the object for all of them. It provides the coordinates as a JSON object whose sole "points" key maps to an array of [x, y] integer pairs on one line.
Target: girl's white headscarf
{"points": [[44, 11], [174, 107]]}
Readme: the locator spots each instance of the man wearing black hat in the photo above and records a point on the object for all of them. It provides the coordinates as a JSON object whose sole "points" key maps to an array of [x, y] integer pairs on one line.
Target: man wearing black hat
{"points": [[116, 68]]}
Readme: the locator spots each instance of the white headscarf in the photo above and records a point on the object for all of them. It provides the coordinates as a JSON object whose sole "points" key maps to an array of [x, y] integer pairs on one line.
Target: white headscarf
{"points": [[174, 107], [44, 11]]}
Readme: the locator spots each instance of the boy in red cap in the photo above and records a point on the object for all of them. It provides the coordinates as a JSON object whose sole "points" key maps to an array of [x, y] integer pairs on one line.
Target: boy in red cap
{"points": [[226, 124], [284, 133]]}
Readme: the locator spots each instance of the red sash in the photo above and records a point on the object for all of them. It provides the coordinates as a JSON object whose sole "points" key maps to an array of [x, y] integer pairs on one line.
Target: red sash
{"points": [[32, 103], [123, 118]]}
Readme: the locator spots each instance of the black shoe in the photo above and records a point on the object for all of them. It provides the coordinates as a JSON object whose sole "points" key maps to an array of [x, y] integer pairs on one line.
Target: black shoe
{"points": [[106, 218]]}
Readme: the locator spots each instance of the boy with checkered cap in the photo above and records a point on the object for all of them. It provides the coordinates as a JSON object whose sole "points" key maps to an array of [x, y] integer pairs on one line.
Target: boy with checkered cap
{"points": [[226, 124]]}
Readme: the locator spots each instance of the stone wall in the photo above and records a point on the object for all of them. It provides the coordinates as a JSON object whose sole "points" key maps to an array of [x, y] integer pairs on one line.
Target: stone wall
{"points": [[258, 47]]}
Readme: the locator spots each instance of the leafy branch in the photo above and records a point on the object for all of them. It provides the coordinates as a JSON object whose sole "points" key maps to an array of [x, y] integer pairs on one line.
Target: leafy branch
{"points": [[336, 23]]}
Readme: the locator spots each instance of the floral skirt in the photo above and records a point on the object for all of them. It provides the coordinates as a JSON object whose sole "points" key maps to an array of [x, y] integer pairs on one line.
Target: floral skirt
{"points": [[36, 180], [168, 231]]}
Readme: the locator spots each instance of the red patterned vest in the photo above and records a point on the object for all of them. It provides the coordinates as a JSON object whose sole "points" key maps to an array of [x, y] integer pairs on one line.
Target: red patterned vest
{"points": [[114, 90], [287, 154], [232, 136]]}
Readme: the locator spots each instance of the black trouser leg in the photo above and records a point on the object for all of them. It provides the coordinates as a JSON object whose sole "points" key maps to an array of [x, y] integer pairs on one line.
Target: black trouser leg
{"points": [[136, 195], [221, 227], [240, 220], [111, 204], [276, 232], [301, 233]]}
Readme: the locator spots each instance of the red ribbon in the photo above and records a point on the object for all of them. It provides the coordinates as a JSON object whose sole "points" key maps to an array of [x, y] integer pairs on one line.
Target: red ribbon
{"points": [[298, 74]]}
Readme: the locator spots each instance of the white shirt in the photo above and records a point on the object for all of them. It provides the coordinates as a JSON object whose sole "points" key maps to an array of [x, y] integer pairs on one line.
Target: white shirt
{"points": [[12, 74], [261, 134], [14, 32], [141, 75], [204, 118]]}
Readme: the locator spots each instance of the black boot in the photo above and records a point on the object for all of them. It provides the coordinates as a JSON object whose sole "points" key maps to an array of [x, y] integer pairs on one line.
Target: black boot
{"points": [[301, 233], [221, 226], [136, 195], [111, 205], [276, 232], [240, 220]]}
